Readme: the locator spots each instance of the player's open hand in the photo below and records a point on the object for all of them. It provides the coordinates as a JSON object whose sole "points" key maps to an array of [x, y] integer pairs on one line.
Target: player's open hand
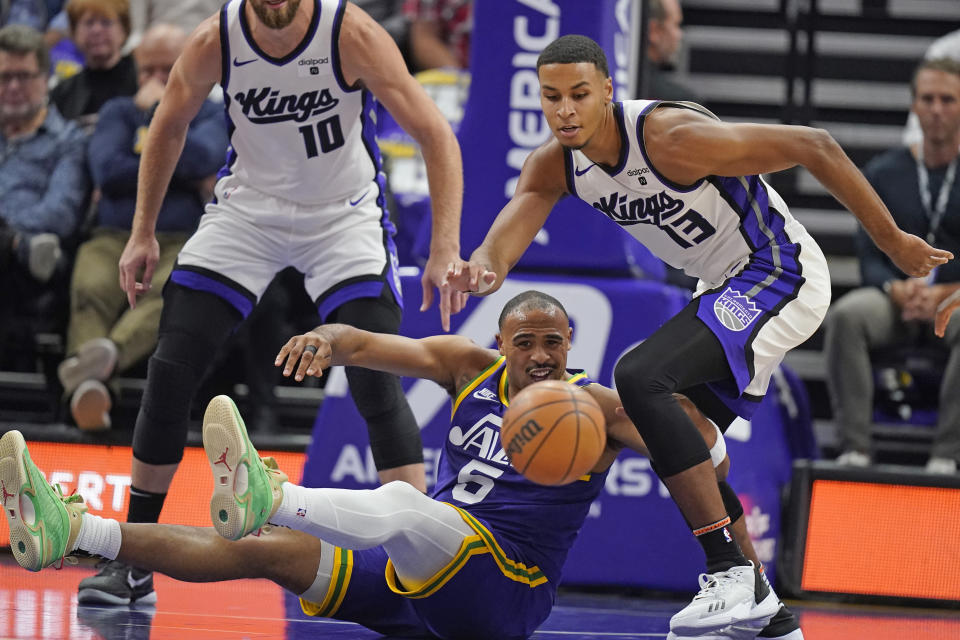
{"points": [[945, 309], [434, 276], [139, 259], [311, 349], [471, 278], [915, 257]]}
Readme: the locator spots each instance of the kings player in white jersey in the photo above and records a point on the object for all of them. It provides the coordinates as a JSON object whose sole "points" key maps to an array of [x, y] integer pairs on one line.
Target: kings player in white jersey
{"points": [[688, 187], [302, 187]]}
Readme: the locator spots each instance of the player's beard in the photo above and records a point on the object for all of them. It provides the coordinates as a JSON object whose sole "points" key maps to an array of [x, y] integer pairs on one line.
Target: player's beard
{"points": [[276, 19]]}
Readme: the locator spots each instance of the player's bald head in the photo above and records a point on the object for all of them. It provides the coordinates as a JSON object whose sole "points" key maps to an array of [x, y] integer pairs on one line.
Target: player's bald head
{"points": [[531, 300]]}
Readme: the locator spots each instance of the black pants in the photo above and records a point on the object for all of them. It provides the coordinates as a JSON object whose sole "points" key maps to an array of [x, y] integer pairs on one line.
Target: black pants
{"points": [[195, 325], [680, 357]]}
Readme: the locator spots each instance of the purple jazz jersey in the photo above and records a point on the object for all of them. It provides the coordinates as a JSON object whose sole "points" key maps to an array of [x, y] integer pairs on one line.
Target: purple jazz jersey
{"points": [[475, 474], [503, 582]]}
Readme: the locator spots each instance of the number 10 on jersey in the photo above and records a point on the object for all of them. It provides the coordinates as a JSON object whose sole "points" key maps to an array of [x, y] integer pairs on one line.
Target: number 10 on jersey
{"points": [[329, 134]]}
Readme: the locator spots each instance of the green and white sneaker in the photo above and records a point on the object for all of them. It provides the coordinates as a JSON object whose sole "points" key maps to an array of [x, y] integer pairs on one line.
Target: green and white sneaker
{"points": [[44, 524], [246, 488]]}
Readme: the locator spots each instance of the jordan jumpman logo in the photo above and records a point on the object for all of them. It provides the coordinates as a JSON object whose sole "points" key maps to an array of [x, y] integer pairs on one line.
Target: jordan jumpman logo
{"points": [[223, 459]]}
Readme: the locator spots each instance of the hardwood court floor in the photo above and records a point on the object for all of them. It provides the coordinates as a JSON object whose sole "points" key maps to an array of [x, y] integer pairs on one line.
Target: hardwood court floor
{"points": [[43, 605]]}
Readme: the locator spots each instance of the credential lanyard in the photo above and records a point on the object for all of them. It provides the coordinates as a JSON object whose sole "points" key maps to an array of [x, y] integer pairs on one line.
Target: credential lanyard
{"points": [[934, 214]]}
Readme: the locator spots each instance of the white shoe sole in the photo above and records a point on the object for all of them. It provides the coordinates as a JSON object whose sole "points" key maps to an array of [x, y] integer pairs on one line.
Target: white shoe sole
{"points": [[25, 545], [742, 616], [225, 445], [95, 596]]}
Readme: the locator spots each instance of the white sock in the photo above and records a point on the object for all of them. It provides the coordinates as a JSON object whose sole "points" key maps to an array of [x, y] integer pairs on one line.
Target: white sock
{"points": [[100, 536]]}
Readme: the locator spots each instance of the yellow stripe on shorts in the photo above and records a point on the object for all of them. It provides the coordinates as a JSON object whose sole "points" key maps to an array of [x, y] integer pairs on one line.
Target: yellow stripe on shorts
{"points": [[337, 590], [471, 546], [517, 571]]}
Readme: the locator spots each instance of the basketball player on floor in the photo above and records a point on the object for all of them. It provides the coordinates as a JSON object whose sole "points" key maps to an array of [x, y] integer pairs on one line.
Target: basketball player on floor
{"points": [[302, 187], [687, 186], [487, 530]]}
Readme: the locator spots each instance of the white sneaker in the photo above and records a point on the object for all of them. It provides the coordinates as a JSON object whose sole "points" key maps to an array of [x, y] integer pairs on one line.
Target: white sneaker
{"points": [[737, 596], [94, 360], [853, 459], [944, 466], [782, 626], [44, 253]]}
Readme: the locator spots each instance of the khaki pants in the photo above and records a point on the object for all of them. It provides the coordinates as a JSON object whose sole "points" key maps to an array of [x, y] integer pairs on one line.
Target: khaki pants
{"points": [[865, 319], [99, 307]]}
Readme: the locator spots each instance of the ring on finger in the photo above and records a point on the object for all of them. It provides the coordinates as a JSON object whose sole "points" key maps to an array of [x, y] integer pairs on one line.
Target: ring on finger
{"points": [[311, 349]]}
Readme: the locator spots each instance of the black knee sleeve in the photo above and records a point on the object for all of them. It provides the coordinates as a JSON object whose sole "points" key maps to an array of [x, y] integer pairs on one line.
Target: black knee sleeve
{"points": [[193, 327], [647, 396], [681, 354], [730, 501], [392, 429], [161, 429], [710, 405]]}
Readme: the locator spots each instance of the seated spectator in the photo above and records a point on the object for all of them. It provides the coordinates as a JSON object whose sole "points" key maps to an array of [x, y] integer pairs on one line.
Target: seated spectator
{"points": [[36, 14], [439, 33], [920, 188], [947, 46], [98, 28], [186, 14], [664, 39], [43, 181], [106, 336]]}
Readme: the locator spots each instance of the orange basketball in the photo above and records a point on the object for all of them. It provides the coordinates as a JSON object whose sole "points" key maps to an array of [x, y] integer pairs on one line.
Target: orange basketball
{"points": [[553, 432]]}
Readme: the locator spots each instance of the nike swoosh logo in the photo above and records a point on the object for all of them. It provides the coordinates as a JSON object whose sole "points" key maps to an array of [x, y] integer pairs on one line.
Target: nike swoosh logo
{"points": [[134, 582], [577, 171], [354, 203], [237, 63]]}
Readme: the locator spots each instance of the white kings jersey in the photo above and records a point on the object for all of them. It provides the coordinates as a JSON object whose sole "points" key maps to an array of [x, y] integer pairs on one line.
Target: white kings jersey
{"points": [[708, 229], [297, 131]]}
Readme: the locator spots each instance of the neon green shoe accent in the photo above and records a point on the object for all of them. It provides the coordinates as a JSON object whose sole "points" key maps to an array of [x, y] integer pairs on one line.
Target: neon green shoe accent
{"points": [[44, 524], [246, 489]]}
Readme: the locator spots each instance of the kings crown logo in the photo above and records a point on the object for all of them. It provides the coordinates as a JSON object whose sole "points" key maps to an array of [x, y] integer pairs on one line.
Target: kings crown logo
{"points": [[734, 310]]}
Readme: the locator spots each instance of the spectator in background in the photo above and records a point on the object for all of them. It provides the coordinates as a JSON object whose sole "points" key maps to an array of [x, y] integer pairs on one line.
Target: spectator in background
{"points": [[31, 13], [105, 335], [46, 16], [920, 189], [664, 37], [186, 14], [43, 182], [439, 33], [947, 46], [99, 28]]}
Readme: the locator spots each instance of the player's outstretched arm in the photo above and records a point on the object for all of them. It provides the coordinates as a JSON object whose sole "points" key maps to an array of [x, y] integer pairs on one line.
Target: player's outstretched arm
{"points": [[443, 359], [191, 80], [370, 56], [685, 146], [542, 183]]}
